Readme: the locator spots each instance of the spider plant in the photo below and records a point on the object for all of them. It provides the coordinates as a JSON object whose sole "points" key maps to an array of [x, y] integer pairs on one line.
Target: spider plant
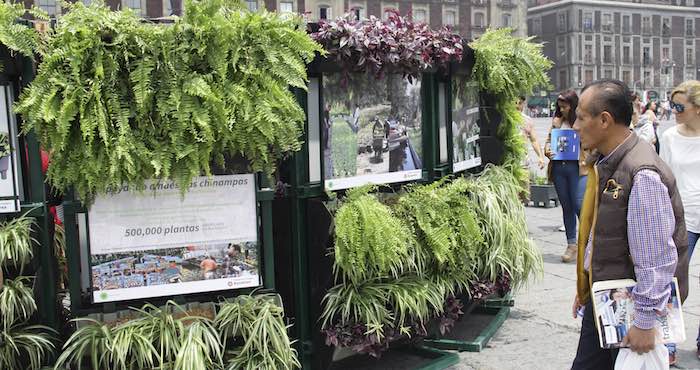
{"points": [[16, 302], [25, 346], [201, 347], [259, 322], [132, 347], [16, 242], [93, 340]]}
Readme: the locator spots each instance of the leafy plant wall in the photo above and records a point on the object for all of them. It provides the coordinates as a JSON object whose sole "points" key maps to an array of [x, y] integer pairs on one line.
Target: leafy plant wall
{"points": [[22, 344], [117, 100], [401, 261], [508, 67]]}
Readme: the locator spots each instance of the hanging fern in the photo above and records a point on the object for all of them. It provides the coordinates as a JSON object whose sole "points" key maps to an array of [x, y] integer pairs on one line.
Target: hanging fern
{"points": [[16, 36], [118, 101], [370, 240]]}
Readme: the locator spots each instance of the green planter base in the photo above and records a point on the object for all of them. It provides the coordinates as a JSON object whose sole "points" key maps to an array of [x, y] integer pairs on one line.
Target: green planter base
{"points": [[498, 302], [473, 331], [404, 358]]}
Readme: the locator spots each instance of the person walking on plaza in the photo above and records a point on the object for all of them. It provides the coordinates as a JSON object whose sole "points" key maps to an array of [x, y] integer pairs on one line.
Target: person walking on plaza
{"points": [[529, 132], [568, 176], [650, 114], [631, 191], [641, 124], [680, 149]]}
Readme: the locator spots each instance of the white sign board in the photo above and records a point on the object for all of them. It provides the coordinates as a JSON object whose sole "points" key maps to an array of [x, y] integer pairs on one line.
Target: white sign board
{"points": [[155, 242], [9, 179]]}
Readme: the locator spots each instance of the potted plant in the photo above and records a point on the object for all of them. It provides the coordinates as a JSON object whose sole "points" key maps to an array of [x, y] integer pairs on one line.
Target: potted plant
{"points": [[542, 192], [4, 155]]}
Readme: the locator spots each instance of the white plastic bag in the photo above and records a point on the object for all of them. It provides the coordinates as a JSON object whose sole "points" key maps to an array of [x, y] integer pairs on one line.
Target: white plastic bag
{"points": [[656, 359]]}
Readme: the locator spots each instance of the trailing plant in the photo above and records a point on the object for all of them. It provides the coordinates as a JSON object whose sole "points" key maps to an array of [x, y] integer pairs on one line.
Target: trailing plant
{"points": [[16, 302], [4, 145], [16, 242], [23, 346], [508, 67], [118, 101], [259, 323], [16, 36], [370, 240], [394, 45]]}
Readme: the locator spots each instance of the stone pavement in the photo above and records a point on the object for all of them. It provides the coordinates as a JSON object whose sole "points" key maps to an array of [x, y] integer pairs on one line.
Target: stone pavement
{"points": [[540, 332]]}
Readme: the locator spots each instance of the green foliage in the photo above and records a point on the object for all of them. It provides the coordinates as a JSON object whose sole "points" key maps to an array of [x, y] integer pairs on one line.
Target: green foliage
{"points": [[370, 240], [509, 66], [118, 101], [16, 302], [259, 322], [15, 36], [16, 242], [24, 347], [4, 145]]}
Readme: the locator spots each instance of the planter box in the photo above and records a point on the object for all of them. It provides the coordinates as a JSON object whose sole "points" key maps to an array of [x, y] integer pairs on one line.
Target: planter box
{"points": [[403, 358], [472, 331], [544, 195]]}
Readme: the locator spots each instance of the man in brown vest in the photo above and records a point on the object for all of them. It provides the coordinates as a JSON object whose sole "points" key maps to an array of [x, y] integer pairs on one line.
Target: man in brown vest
{"points": [[632, 223]]}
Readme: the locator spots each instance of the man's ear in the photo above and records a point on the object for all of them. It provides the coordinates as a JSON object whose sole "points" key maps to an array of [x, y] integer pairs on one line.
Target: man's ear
{"points": [[606, 119]]}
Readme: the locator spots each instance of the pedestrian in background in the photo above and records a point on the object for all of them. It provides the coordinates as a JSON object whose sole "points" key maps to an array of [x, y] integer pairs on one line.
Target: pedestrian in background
{"points": [[680, 149], [650, 114], [631, 191], [569, 177], [528, 131], [641, 124]]}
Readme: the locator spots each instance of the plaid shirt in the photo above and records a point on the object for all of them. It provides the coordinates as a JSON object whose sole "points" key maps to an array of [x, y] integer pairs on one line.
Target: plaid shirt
{"points": [[650, 227]]}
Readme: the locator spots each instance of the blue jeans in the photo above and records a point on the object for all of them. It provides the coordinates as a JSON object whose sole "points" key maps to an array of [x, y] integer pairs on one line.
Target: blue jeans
{"points": [[570, 188]]}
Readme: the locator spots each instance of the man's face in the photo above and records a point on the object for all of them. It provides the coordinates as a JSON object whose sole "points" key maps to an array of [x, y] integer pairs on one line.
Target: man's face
{"points": [[589, 127]]}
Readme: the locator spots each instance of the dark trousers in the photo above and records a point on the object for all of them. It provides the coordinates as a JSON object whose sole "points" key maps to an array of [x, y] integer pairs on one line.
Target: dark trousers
{"points": [[589, 355], [566, 183]]}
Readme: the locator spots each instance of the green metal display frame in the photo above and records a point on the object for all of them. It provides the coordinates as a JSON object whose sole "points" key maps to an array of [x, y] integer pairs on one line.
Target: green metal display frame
{"points": [[500, 314], [440, 359], [35, 203]]}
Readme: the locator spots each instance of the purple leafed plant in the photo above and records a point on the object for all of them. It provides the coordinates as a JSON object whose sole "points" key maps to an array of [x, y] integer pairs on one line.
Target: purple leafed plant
{"points": [[354, 336], [453, 310], [393, 45]]}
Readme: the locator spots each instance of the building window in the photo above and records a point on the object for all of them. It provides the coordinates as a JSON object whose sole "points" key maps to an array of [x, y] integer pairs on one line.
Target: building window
{"points": [[561, 47], [689, 56], [358, 11], [286, 7], [588, 76], [420, 15], [48, 6], [646, 25], [134, 5], [537, 26], [608, 73], [251, 4], [506, 20], [588, 21], [607, 54], [563, 21], [626, 77], [626, 59], [389, 9], [607, 22], [324, 12], [690, 27], [666, 27], [479, 20], [588, 54], [665, 54], [646, 56], [626, 24], [563, 81], [450, 17]]}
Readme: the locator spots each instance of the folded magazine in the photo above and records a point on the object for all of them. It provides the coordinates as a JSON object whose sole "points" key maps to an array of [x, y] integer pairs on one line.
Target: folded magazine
{"points": [[613, 309]]}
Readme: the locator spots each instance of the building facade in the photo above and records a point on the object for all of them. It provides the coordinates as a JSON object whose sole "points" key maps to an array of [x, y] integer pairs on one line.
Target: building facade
{"points": [[651, 45], [470, 18]]}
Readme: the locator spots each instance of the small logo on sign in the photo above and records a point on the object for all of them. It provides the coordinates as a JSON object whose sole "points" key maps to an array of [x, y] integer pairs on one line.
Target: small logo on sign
{"points": [[230, 283], [104, 295]]}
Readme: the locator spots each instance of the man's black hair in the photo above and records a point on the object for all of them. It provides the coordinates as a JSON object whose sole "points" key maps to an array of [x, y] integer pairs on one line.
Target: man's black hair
{"points": [[611, 96]]}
